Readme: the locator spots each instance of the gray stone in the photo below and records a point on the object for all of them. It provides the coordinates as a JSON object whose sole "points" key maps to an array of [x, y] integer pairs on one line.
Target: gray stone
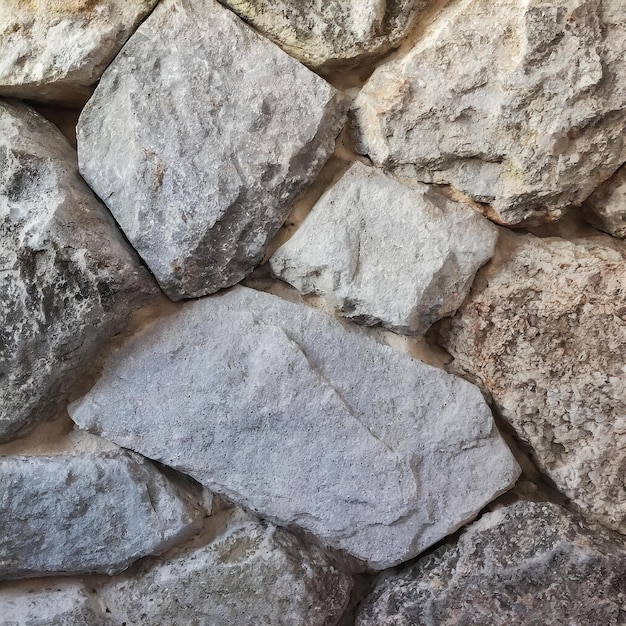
{"points": [[279, 408], [606, 207], [544, 331], [53, 50], [68, 279], [86, 513], [318, 32], [528, 564], [247, 572], [215, 132], [521, 105], [383, 253]]}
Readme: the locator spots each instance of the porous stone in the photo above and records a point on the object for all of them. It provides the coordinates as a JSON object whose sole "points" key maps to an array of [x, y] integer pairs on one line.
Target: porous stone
{"points": [[68, 279], [53, 50], [528, 564], [86, 513], [544, 331], [279, 408], [248, 572], [606, 207], [321, 33], [383, 253], [521, 105], [215, 132]]}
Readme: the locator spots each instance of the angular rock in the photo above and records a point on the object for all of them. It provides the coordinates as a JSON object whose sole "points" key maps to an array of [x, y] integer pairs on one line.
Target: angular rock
{"points": [[68, 279], [215, 132], [248, 572], [279, 408], [519, 105], [54, 50], [383, 253], [606, 207], [86, 513], [526, 564], [328, 33], [544, 330]]}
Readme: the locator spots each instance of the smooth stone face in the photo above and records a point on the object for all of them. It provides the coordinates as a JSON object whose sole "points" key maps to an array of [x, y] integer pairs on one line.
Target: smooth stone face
{"points": [[520, 105], [383, 253], [53, 50], [68, 279], [525, 564], [282, 410], [606, 207], [544, 330], [83, 513], [318, 32], [215, 132], [248, 572]]}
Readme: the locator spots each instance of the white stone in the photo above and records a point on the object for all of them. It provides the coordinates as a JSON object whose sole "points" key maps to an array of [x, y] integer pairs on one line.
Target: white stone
{"points": [[279, 408], [521, 105], [606, 207], [383, 253], [215, 132]]}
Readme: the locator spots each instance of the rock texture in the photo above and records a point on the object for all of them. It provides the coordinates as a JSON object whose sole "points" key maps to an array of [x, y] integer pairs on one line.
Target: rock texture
{"points": [[525, 564], [86, 513], [53, 50], [68, 279], [544, 330], [280, 409], [521, 105], [216, 131], [248, 573], [383, 253], [606, 207], [318, 32]]}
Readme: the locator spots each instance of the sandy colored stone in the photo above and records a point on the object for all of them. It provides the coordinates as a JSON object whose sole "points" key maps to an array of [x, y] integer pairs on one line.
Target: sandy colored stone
{"points": [[606, 207]]}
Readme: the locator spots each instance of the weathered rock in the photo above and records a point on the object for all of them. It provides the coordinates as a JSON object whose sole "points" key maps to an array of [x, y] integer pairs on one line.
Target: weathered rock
{"points": [[248, 572], [528, 564], [606, 207], [86, 513], [544, 330], [215, 132], [383, 253], [326, 33], [282, 410], [67, 277], [53, 50], [518, 104]]}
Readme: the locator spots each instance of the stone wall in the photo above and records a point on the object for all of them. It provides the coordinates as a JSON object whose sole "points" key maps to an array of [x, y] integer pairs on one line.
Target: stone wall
{"points": [[312, 313]]}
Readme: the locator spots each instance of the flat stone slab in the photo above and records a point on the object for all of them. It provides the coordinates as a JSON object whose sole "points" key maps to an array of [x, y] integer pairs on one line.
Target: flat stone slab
{"points": [[73, 514], [289, 414], [384, 253], [215, 132], [527, 563]]}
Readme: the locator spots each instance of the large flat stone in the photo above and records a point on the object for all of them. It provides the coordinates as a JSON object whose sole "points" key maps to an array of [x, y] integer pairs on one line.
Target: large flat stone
{"points": [[215, 132], [68, 279], [521, 105], [384, 253], [284, 411], [70, 514]]}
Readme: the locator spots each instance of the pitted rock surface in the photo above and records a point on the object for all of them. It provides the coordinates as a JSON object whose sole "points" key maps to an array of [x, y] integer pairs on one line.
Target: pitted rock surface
{"points": [[606, 206]]}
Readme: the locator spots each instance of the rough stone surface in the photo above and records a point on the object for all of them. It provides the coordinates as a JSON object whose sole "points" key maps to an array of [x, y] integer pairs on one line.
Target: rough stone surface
{"points": [[528, 564], [383, 253], [247, 573], [318, 32], [544, 330], [521, 105], [53, 50], [215, 132], [86, 513], [67, 277], [606, 207], [282, 410]]}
